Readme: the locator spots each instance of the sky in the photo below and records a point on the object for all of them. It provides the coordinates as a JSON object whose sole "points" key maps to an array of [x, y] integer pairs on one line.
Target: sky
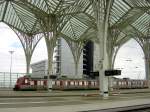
{"points": [[129, 58], [10, 42]]}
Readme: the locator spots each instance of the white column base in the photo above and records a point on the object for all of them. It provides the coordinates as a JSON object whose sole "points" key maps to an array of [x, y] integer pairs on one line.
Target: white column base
{"points": [[105, 95]]}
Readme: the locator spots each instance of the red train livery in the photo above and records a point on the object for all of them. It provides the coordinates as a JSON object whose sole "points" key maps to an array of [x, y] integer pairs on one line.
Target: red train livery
{"points": [[26, 83]]}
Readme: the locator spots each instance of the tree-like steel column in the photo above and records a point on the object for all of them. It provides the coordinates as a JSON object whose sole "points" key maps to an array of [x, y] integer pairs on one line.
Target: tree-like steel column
{"points": [[76, 48], [145, 45], [112, 46], [115, 40], [29, 42], [49, 27], [102, 13], [112, 50]]}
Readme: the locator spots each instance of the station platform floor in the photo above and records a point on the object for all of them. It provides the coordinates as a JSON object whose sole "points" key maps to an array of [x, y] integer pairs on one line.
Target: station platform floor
{"points": [[54, 93], [69, 101]]}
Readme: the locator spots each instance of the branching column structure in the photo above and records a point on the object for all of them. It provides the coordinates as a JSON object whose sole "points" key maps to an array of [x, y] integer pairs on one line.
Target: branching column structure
{"points": [[102, 13], [145, 44], [115, 40], [112, 47], [29, 42], [76, 49], [112, 50], [49, 27]]}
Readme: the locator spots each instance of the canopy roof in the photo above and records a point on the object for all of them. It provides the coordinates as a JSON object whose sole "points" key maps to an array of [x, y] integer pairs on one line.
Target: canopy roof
{"points": [[76, 17]]}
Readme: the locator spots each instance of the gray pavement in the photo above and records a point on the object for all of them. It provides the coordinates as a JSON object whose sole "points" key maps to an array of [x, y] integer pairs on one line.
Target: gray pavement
{"points": [[79, 101], [11, 93]]}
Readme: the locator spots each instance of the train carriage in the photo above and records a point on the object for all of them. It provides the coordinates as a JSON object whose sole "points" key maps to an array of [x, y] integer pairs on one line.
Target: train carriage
{"points": [[27, 83]]}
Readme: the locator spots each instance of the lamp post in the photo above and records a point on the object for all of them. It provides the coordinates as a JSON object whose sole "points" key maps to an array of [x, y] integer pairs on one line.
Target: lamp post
{"points": [[11, 52]]}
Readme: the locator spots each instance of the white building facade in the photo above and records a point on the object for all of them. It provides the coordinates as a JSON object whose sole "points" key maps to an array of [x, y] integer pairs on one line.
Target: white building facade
{"points": [[63, 64]]}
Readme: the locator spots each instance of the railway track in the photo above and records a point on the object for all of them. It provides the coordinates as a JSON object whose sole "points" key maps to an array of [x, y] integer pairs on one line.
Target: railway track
{"points": [[136, 108]]}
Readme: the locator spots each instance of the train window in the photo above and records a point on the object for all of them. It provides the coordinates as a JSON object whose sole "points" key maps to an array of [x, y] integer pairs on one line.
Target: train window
{"points": [[85, 83], [141, 82], [31, 82], [129, 83], [92, 83], [119, 83], [38, 83], [42, 83], [135, 82], [76, 83], [95, 83], [26, 81], [72, 82], [124, 83], [80, 83], [66, 83], [58, 83], [53, 82]]}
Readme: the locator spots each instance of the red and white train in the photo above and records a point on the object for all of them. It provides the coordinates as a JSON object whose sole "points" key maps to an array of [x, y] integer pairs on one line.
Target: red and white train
{"points": [[127, 83], [26, 83]]}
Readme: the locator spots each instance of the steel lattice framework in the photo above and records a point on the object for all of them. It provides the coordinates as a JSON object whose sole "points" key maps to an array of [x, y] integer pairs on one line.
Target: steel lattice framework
{"points": [[75, 17], [109, 22]]}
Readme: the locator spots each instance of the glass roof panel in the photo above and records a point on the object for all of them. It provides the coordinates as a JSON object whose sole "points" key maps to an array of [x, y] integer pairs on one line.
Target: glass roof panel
{"points": [[74, 28], [75, 17], [139, 3], [90, 11], [85, 19], [142, 23], [26, 17], [2, 7], [11, 18], [119, 9], [41, 4], [77, 7]]}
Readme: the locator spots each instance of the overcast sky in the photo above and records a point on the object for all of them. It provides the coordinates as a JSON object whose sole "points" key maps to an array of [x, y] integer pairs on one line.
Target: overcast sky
{"points": [[129, 58], [9, 41]]}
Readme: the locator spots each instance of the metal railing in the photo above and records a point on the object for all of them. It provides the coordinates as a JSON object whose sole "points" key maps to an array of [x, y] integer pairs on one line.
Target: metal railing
{"points": [[8, 80]]}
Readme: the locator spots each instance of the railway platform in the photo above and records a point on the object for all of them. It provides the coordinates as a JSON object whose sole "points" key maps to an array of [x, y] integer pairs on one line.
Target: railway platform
{"points": [[69, 101], [10, 93]]}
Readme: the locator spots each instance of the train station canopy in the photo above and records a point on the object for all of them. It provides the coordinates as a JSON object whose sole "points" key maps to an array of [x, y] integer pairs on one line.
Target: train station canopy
{"points": [[75, 18]]}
